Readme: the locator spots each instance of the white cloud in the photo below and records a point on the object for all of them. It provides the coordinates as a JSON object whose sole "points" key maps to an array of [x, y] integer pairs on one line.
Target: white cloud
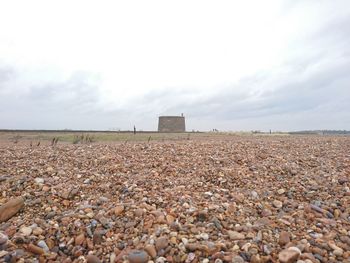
{"points": [[153, 57]]}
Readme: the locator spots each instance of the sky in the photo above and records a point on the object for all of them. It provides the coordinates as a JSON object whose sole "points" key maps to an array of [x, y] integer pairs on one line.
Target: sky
{"points": [[226, 65]]}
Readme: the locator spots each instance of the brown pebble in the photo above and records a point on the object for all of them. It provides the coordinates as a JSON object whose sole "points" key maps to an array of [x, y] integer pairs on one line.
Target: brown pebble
{"points": [[138, 256], [151, 250], [161, 243], [35, 249], [118, 210], [79, 239], [10, 208], [288, 256], [170, 219], [92, 259], [284, 238]]}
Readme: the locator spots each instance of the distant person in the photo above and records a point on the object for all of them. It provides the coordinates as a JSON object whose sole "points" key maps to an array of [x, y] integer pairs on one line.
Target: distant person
{"points": [[134, 130]]}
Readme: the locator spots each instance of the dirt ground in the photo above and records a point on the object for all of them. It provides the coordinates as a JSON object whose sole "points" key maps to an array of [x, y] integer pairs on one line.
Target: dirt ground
{"points": [[198, 198]]}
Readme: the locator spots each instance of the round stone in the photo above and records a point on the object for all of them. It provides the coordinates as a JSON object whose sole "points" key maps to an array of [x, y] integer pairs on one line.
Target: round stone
{"points": [[284, 238], [39, 180], [43, 245], [38, 231], [281, 191], [92, 259], [3, 238], [338, 252], [151, 250], [234, 235], [204, 236], [25, 230], [237, 259], [161, 243], [288, 256], [277, 204], [118, 210], [138, 256]]}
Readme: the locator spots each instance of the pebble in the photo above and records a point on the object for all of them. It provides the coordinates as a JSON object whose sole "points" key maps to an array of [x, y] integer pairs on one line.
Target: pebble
{"points": [[138, 256], [3, 253], [3, 238], [234, 235], [139, 196], [281, 191], [118, 210], [161, 260], [161, 243], [288, 256], [338, 252], [43, 245], [79, 239], [10, 208], [204, 236], [254, 195], [92, 259], [284, 238], [38, 231], [35, 249], [277, 204], [39, 180], [151, 250], [237, 259], [25, 230]]}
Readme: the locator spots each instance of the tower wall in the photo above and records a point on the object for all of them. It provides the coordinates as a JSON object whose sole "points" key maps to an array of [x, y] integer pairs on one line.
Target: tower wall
{"points": [[171, 124]]}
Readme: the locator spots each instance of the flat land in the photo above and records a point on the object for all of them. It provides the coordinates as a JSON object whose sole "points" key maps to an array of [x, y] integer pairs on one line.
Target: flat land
{"points": [[175, 197]]}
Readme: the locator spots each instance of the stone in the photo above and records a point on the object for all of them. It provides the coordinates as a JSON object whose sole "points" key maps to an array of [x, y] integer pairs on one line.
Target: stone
{"points": [[284, 238], [278, 204], [38, 231], [190, 257], [161, 243], [254, 195], [79, 239], [170, 219], [46, 188], [288, 256], [118, 210], [138, 256], [3, 238], [234, 235], [92, 259], [281, 191], [338, 252], [159, 188], [35, 249], [3, 253], [237, 259], [204, 236], [43, 245], [97, 237], [25, 230], [10, 208], [138, 212], [39, 180], [151, 250]]}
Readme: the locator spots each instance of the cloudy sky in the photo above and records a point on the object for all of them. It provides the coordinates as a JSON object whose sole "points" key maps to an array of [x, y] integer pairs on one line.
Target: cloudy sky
{"points": [[229, 65]]}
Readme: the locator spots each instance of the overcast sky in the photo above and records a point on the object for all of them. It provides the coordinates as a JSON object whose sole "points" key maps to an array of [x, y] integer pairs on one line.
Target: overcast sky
{"points": [[229, 65]]}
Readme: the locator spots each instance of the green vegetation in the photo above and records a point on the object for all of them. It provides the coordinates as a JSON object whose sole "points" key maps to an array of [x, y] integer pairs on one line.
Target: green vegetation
{"points": [[79, 137]]}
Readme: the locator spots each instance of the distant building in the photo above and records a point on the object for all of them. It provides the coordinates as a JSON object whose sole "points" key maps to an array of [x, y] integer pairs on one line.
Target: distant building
{"points": [[171, 124]]}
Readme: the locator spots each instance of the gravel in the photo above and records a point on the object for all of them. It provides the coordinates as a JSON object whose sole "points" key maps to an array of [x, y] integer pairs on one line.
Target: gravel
{"points": [[235, 199]]}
